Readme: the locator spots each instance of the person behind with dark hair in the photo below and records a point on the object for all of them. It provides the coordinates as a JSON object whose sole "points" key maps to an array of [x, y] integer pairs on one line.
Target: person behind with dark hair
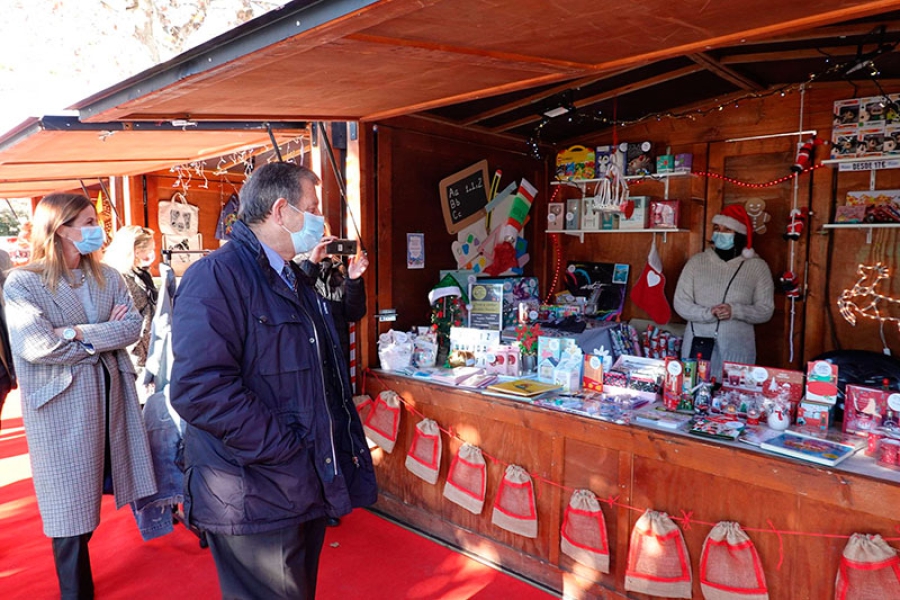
{"points": [[724, 291], [70, 319], [132, 252], [274, 445]]}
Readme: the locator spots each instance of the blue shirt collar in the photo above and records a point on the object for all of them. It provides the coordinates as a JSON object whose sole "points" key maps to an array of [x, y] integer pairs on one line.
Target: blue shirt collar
{"points": [[275, 260]]}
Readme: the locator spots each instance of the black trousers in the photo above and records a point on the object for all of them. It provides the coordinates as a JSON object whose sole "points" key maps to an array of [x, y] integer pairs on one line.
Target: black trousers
{"points": [[280, 564], [73, 567]]}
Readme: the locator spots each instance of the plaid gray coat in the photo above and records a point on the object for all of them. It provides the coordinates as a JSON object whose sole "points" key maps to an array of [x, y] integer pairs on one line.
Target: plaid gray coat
{"points": [[63, 401]]}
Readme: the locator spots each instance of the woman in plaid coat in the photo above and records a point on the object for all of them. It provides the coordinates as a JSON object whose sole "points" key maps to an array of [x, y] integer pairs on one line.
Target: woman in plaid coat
{"points": [[70, 319]]}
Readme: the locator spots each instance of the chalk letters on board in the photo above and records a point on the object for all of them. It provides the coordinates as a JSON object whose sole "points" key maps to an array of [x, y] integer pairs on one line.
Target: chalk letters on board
{"points": [[464, 196]]}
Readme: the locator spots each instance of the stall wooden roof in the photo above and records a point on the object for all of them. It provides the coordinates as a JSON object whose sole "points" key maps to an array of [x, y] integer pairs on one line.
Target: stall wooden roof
{"points": [[496, 63], [56, 153]]}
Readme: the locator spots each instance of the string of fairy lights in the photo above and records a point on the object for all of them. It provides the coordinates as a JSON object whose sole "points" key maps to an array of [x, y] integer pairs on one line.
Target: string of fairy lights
{"points": [[574, 115]]}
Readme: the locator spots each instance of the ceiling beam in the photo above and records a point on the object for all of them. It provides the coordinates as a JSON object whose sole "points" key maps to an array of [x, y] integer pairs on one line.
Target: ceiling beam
{"points": [[535, 98], [828, 33], [784, 55], [607, 95], [726, 73]]}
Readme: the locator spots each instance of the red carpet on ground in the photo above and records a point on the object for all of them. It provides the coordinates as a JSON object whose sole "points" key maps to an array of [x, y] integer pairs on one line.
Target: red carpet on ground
{"points": [[367, 557]]}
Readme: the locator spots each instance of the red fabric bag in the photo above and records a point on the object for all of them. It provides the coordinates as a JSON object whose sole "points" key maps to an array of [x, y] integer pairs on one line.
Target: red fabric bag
{"points": [[363, 405], [383, 421], [514, 507], [583, 536], [467, 480], [658, 562], [869, 570], [730, 568], [424, 457]]}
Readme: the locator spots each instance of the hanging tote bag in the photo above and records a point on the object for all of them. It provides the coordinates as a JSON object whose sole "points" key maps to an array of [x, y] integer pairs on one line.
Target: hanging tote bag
{"points": [[383, 422], [424, 457], [177, 217], [583, 536], [514, 508], [730, 568], [869, 570], [658, 562], [467, 479]]}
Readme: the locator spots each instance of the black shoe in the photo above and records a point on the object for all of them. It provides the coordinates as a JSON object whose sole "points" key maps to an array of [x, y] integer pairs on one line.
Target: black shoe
{"points": [[333, 522]]}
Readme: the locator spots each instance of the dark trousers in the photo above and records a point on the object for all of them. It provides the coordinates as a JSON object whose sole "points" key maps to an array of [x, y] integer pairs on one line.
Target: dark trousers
{"points": [[280, 564], [73, 567]]}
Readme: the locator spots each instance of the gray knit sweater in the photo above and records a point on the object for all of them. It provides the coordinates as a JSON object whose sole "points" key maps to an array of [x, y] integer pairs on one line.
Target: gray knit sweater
{"points": [[701, 286]]}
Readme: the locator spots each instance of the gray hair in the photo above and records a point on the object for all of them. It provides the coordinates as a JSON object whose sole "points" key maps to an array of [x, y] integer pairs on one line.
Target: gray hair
{"points": [[269, 183]]}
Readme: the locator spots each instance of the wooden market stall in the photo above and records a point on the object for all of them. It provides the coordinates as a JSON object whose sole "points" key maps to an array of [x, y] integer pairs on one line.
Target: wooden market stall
{"points": [[433, 87]]}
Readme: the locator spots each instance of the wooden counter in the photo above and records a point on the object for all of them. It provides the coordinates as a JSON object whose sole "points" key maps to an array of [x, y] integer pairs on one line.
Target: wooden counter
{"points": [[641, 468]]}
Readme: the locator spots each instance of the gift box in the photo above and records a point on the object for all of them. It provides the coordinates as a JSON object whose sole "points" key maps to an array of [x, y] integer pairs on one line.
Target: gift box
{"points": [[609, 220], [503, 360], [615, 379], [821, 382], [768, 381], [850, 214], [576, 162], [556, 216], [573, 213], [593, 373], [864, 408], [815, 414], [673, 383], [683, 163], [607, 156], [664, 214], [640, 218], [665, 164], [639, 159]]}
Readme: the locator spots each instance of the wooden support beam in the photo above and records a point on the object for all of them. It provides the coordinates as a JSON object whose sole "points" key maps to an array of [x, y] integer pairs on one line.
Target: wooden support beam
{"points": [[619, 91], [726, 73]]}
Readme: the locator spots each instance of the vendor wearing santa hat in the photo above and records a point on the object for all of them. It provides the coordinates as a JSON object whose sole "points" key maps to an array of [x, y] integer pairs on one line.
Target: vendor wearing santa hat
{"points": [[723, 292]]}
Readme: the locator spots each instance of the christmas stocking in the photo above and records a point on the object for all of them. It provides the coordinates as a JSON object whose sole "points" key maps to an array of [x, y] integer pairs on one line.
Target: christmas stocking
{"points": [[649, 291]]}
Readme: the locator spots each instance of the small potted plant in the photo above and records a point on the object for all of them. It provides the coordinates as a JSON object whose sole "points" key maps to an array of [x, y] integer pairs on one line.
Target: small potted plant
{"points": [[527, 335]]}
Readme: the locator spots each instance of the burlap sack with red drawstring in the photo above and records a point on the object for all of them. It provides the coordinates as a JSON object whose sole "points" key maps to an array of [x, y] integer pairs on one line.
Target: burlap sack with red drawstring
{"points": [[658, 562], [363, 404], [514, 507], [383, 421], [424, 456], [730, 568], [583, 536], [467, 479], [869, 570]]}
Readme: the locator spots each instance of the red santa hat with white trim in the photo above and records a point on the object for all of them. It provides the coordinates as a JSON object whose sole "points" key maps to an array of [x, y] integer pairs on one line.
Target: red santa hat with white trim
{"points": [[735, 217]]}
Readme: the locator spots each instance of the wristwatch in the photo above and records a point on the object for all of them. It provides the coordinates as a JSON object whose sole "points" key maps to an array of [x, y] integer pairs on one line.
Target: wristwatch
{"points": [[69, 334]]}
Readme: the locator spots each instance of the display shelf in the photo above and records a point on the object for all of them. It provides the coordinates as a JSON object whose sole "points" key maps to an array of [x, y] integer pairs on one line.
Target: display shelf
{"points": [[582, 184], [864, 164], [580, 232], [867, 226]]}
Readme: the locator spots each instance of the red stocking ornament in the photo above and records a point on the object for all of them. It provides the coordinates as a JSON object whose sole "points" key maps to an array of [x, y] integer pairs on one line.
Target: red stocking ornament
{"points": [[649, 291]]}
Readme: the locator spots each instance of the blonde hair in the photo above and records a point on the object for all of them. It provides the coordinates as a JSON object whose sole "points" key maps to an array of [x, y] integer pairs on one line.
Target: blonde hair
{"points": [[120, 252], [47, 257]]}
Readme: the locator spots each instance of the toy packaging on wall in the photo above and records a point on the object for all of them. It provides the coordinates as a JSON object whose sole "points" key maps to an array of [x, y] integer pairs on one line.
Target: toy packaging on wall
{"points": [[664, 214], [865, 127], [573, 213], [639, 158], [556, 216], [602, 284], [606, 157], [640, 217], [575, 163], [683, 163]]}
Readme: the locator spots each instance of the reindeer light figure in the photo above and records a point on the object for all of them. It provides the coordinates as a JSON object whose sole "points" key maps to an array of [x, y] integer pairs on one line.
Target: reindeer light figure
{"points": [[862, 300]]}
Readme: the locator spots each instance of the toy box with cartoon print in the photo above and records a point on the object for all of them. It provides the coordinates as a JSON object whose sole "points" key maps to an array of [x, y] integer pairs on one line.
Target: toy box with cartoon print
{"points": [[821, 382]]}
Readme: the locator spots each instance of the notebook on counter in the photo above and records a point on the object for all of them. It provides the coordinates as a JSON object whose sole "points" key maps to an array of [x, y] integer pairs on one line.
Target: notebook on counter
{"points": [[525, 388]]}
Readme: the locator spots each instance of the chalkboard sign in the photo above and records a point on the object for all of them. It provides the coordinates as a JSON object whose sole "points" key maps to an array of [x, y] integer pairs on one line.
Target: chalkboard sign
{"points": [[464, 196]]}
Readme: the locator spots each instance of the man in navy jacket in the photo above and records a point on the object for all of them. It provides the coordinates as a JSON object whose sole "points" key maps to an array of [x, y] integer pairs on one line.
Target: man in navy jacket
{"points": [[274, 445]]}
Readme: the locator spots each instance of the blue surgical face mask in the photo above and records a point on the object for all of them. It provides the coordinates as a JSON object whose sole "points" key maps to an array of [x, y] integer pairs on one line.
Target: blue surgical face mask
{"points": [[91, 239], [310, 234], [723, 240]]}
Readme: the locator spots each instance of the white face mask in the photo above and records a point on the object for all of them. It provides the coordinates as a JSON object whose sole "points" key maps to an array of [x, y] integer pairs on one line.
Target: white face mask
{"points": [[310, 234]]}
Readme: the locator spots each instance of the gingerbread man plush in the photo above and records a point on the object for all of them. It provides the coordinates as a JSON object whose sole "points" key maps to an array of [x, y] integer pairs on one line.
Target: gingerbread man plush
{"points": [[756, 210]]}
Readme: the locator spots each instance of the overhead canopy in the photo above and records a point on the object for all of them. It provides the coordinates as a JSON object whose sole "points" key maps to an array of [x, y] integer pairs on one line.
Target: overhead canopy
{"points": [[369, 60], [55, 153]]}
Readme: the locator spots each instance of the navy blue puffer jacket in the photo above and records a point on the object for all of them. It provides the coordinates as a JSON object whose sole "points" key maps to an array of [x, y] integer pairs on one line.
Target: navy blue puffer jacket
{"points": [[265, 447]]}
